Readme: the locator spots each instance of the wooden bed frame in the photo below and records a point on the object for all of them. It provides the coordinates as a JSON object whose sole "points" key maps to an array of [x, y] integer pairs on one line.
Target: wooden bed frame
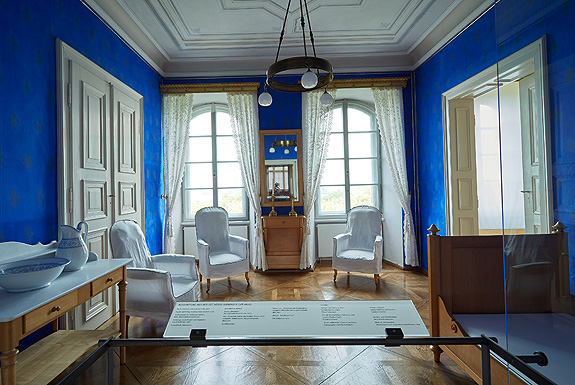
{"points": [[466, 275]]}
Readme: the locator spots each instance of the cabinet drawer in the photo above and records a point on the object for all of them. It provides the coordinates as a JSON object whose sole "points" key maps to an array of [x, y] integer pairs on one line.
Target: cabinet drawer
{"points": [[283, 222], [49, 312], [106, 281]]}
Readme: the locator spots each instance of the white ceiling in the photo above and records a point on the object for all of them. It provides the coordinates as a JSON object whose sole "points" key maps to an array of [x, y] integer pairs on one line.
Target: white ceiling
{"points": [[206, 38]]}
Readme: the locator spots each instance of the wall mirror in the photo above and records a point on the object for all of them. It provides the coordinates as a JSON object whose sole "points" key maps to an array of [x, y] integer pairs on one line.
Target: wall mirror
{"points": [[281, 167]]}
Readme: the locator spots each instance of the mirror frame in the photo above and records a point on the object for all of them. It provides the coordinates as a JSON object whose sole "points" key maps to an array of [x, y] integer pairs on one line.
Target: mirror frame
{"points": [[298, 201]]}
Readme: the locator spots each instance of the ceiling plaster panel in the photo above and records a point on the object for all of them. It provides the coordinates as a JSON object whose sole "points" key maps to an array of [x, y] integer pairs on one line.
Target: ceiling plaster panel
{"points": [[240, 37]]}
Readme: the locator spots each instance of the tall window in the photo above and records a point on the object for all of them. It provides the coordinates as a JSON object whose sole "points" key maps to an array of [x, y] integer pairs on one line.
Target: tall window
{"points": [[352, 173], [213, 176]]}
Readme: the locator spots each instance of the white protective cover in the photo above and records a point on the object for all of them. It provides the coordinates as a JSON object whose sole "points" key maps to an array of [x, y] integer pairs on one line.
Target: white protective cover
{"points": [[220, 253], [155, 283], [361, 248]]}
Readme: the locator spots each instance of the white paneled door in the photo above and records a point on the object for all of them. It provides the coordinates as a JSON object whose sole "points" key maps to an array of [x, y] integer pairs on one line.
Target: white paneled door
{"points": [[465, 220], [100, 168]]}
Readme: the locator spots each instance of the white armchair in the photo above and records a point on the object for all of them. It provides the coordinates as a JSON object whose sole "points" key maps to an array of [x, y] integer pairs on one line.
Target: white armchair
{"points": [[155, 283], [360, 249], [220, 254]]}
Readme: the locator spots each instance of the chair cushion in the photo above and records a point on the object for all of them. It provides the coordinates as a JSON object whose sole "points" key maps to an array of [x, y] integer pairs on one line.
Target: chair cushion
{"points": [[357, 255], [224, 258]]}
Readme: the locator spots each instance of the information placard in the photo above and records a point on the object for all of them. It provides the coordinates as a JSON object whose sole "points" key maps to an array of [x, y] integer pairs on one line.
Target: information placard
{"points": [[295, 319]]}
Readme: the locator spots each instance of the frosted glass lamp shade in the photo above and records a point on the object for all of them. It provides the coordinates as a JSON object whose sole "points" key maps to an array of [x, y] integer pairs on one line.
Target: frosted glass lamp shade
{"points": [[272, 150], [286, 151], [265, 99], [326, 99], [309, 79]]}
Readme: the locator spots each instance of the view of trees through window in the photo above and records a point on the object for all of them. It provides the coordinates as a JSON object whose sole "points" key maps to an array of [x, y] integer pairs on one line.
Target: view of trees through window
{"points": [[212, 176], [352, 171]]}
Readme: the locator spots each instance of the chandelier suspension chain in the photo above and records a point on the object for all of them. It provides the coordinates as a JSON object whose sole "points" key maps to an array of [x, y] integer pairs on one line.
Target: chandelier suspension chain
{"points": [[310, 30], [283, 30], [302, 22]]}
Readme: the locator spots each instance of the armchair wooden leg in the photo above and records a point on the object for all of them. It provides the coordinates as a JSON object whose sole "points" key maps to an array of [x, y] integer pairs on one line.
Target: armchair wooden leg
{"points": [[334, 274], [247, 277], [376, 279], [208, 286]]}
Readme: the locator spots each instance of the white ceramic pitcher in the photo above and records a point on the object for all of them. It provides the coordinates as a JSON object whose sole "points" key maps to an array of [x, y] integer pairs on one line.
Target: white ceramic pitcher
{"points": [[73, 246]]}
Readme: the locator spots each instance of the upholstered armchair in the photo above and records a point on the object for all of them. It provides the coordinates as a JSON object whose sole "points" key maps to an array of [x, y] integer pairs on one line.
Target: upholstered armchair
{"points": [[360, 249], [155, 283], [220, 254]]}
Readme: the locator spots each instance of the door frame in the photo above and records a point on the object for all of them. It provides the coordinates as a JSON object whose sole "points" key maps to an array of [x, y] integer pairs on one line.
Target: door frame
{"points": [[530, 59]]}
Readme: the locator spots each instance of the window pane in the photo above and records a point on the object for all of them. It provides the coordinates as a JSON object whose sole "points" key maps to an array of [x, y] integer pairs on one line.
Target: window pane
{"points": [[199, 175], [358, 120], [333, 173], [363, 195], [335, 146], [201, 125], [232, 201], [200, 150], [332, 200], [337, 123], [362, 171], [197, 199], [362, 145], [226, 148], [229, 175], [223, 124]]}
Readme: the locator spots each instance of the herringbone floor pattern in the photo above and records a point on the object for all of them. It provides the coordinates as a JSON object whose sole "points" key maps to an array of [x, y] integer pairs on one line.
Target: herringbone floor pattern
{"points": [[290, 365]]}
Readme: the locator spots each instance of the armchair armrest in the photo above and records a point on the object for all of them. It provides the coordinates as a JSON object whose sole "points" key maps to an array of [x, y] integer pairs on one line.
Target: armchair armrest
{"points": [[177, 264], [378, 246], [238, 245], [149, 289], [340, 242], [203, 251]]}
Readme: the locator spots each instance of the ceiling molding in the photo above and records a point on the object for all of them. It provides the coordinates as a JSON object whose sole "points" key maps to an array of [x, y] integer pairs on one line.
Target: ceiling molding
{"points": [[208, 87], [142, 48], [421, 57]]}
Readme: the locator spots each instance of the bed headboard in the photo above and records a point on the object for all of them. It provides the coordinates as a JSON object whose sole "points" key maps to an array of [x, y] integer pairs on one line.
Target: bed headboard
{"points": [[468, 271]]}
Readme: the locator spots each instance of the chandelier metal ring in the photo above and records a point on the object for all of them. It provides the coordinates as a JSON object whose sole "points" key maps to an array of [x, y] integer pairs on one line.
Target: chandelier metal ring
{"points": [[300, 62]]}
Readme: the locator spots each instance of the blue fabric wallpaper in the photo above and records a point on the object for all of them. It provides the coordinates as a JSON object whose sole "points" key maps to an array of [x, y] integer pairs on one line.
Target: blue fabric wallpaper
{"points": [[28, 159], [470, 53], [518, 24], [506, 28]]}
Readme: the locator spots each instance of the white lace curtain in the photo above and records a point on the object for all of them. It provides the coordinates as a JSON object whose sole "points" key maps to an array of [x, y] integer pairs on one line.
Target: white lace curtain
{"points": [[316, 132], [177, 116], [245, 128], [389, 112]]}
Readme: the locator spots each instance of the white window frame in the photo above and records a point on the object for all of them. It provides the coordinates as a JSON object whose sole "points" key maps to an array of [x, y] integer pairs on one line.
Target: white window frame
{"points": [[213, 108], [345, 104]]}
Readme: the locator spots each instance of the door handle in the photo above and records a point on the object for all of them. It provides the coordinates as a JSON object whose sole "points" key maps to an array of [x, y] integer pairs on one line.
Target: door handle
{"points": [[526, 191]]}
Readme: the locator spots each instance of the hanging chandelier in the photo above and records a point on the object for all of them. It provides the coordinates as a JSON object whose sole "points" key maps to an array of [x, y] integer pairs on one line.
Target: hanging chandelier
{"points": [[317, 72]]}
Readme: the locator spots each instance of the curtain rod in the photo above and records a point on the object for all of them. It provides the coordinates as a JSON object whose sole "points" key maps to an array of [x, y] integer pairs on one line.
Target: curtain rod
{"points": [[198, 88]]}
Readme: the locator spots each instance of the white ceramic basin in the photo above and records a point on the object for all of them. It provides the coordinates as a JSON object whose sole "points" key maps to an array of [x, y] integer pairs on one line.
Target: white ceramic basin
{"points": [[30, 274]]}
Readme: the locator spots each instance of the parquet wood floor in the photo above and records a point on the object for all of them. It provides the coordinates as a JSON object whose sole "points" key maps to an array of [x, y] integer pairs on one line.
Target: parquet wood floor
{"points": [[290, 365]]}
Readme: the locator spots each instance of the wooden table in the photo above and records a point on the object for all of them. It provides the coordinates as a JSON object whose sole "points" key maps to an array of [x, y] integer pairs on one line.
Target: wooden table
{"points": [[23, 313]]}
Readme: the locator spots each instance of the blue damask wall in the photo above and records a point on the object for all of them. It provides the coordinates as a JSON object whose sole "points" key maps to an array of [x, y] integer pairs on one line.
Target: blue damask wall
{"points": [[28, 29], [506, 28]]}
